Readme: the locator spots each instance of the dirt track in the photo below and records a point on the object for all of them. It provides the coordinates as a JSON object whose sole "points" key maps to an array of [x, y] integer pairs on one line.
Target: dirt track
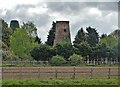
{"points": [[60, 72]]}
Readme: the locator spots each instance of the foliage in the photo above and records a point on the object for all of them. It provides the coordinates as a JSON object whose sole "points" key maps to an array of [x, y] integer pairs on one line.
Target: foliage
{"points": [[38, 40], [21, 44], [57, 60], [64, 49], [83, 49], [42, 52], [103, 36], [92, 36], [80, 37], [6, 33], [30, 28], [7, 54], [112, 46], [51, 35], [110, 41], [75, 59]]}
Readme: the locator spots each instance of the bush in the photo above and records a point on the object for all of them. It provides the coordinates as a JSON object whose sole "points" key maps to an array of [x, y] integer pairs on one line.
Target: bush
{"points": [[75, 59], [57, 60], [42, 52]]}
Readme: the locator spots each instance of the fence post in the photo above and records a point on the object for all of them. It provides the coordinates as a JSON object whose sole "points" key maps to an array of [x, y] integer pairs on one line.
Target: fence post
{"points": [[74, 72], [20, 69], [91, 73], [56, 73], [39, 72], [109, 73]]}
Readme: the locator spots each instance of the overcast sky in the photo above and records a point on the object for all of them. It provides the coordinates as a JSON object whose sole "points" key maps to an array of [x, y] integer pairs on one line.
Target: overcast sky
{"points": [[101, 15]]}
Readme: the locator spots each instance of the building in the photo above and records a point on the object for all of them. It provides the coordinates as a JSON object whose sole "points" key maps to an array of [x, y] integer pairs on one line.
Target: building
{"points": [[62, 32]]}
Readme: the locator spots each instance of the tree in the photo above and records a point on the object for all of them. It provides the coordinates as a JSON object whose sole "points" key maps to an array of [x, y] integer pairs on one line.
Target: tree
{"points": [[64, 49], [14, 24], [92, 36], [30, 28], [75, 59], [103, 36], [111, 45], [43, 52], [110, 41], [38, 40], [80, 37], [51, 35], [6, 33], [21, 44], [57, 60], [100, 51], [83, 49]]}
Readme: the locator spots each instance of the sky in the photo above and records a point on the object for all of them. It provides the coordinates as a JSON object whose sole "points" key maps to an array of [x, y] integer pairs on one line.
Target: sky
{"points": [[103, 16]]}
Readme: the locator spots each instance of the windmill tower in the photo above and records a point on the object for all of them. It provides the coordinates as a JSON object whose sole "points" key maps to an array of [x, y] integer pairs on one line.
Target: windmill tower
{"points": [[62, 32]]}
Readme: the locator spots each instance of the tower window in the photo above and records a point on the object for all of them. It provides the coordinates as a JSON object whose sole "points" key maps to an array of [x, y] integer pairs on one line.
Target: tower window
{"points": [[64, 30]]}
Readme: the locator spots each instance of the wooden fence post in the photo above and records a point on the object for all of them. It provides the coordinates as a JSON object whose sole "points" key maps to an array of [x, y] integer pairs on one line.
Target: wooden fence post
{"points": [[39, 72], [91, 73], [56, 73], [74, 73], [20, 69], [109, 73]]}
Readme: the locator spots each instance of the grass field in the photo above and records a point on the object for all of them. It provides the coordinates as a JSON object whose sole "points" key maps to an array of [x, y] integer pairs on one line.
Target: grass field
{"points": [[60, 81]]}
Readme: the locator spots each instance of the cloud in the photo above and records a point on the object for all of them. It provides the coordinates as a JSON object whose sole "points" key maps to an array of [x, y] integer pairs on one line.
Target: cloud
{"points": [[102, 16]]}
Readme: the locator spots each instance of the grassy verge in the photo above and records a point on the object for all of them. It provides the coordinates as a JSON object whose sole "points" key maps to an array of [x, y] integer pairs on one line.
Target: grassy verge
{"points": [[18, 65], [60, 81]]}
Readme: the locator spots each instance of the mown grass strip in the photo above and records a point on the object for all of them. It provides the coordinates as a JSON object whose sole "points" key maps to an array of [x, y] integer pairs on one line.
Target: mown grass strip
{"points": [[76, 82]]}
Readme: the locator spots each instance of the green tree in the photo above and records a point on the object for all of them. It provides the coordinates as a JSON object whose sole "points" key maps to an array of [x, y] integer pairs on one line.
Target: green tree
{"points": [[30, 28], [75, 59], [57, 60], [21, 44], [92, 36], [110, 41], [64, 49], [100, 51], [7, 54], [43, 52], [80, 37], [38, 40], [103, 36], [83, 49], [109, 47], [6, 33], [51, 35]]}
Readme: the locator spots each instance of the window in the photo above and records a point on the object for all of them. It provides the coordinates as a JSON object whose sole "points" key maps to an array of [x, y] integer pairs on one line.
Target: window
{"points": [[64, 30]]}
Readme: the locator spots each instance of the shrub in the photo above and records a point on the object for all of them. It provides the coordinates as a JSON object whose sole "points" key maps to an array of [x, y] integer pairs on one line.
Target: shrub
{"points": [[57, 60], [75, 59]]}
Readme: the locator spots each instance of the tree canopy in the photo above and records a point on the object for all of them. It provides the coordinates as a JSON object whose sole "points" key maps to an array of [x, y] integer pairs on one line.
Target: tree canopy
{"points": [[21, 44]]}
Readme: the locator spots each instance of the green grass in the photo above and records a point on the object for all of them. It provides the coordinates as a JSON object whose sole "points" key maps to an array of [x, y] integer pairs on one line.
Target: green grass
{"points": [[17, 65], [112, 81]]}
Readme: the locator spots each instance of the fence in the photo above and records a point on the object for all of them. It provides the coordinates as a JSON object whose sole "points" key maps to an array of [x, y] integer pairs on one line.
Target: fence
{"points": [[30, 63], [60, 72]]}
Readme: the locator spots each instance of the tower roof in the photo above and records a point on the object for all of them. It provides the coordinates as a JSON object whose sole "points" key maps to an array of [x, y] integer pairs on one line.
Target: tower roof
{"points": [[62, 21]]}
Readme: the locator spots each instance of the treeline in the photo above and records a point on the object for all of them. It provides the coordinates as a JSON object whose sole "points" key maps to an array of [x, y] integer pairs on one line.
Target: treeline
{"points": [[23, 43]]}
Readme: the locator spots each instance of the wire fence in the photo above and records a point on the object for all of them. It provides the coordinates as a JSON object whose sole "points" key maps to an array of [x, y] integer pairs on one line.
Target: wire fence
{"points": [[60, 72]]}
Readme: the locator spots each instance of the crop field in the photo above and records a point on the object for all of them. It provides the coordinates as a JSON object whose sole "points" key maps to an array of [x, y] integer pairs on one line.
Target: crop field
{"points": [[60, 72]]}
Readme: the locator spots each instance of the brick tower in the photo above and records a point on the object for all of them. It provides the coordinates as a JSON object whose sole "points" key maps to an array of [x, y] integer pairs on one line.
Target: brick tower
{"points": [[62, 32]]}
